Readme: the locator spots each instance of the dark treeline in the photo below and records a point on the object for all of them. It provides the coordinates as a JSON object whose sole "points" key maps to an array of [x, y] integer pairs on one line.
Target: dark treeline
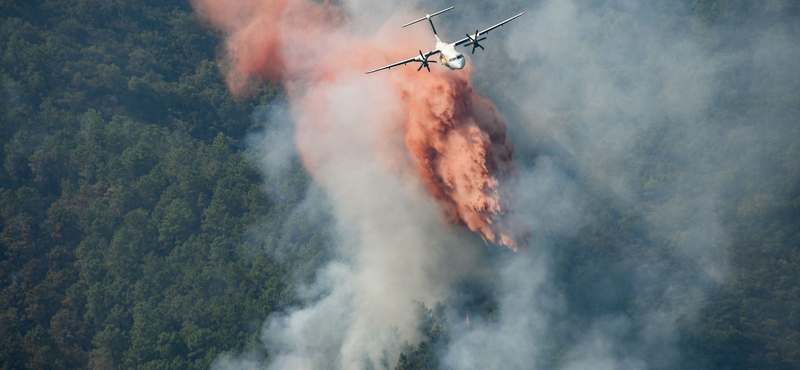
{"points": [[126, 202], [125, 194]]}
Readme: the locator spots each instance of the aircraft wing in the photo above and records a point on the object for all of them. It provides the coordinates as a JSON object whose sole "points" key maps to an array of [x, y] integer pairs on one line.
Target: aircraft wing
{"points": [[467, 39], [409, 60]]}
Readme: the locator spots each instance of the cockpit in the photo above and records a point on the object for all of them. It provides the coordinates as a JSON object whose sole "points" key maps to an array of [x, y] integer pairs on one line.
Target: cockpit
{"points": [[456, 62]]}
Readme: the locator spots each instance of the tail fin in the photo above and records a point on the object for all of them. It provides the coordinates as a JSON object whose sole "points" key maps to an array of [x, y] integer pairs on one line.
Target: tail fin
{"points": [[428, 17]]}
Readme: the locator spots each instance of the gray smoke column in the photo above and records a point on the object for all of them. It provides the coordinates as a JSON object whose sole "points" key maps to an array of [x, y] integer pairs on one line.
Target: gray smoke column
{"points": [[392, 153], [392, 251]]}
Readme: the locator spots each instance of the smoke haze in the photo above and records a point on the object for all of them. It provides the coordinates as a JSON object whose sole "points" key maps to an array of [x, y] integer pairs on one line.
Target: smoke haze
{"points": [[603, 101], [613, 100]]}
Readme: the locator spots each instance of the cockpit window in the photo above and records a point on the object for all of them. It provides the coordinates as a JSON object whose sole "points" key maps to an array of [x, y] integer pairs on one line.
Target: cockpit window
{"points": [[460, 57]]}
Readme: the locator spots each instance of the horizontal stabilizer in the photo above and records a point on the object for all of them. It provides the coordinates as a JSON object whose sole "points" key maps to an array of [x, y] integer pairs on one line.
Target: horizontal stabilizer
{"points": [[428, 16]]}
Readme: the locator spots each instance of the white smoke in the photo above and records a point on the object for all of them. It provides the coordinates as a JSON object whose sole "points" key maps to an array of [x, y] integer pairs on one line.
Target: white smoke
{"points": [[392, 249], [603, 103]]}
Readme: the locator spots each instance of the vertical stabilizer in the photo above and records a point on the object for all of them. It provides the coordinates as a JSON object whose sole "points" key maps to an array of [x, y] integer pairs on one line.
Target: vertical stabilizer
{"points": [[428, 17]]}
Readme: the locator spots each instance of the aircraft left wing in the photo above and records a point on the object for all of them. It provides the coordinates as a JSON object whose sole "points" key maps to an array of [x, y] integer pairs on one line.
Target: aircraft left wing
{"points": [[409, 60], [486, 31]]}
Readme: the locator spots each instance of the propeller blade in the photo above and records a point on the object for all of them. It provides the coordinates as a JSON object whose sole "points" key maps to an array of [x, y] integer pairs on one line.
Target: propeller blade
{"points": [[424, 62], [473, 41]]}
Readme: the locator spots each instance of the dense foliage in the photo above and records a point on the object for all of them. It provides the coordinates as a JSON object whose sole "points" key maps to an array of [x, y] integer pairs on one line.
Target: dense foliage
{"points": [[126, 202], [125, 196], [435, 327]]}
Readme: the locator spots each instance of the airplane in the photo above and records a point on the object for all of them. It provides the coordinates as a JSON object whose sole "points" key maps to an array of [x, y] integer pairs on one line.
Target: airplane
{"points": [[449, 57]]}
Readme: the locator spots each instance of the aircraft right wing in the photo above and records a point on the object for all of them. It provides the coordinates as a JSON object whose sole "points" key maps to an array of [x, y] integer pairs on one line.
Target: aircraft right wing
{"points": [[467, 39], [420, 58]]}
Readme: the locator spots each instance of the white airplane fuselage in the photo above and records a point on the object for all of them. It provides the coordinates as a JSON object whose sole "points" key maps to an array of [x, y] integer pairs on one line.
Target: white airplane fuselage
{"points": [[448, 55]]}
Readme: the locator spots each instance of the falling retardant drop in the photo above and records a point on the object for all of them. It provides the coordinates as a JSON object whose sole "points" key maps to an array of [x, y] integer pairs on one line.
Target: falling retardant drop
{"points": [[453, 139]]}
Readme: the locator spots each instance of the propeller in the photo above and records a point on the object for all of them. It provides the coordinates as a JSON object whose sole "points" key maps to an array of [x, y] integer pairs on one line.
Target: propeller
{"points": [[474, 41], [423, 60]]}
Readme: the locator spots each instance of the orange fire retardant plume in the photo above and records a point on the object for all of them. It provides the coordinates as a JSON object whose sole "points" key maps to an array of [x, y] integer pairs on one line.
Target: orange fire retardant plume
{"points": [[454, 139]]}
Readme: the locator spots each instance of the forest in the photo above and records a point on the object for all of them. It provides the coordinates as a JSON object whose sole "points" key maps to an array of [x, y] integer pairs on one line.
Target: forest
{"points": [[138, 232]]}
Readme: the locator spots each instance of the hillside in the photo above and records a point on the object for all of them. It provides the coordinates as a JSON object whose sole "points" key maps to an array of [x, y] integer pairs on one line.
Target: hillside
{"points": [[138, 231]]}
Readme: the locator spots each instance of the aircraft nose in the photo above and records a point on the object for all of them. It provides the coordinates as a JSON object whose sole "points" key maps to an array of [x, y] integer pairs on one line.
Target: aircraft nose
{"points": [[461, 63]]}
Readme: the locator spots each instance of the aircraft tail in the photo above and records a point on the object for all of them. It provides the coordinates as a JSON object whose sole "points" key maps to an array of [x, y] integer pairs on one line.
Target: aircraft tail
{"points": [[428, 17]]}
